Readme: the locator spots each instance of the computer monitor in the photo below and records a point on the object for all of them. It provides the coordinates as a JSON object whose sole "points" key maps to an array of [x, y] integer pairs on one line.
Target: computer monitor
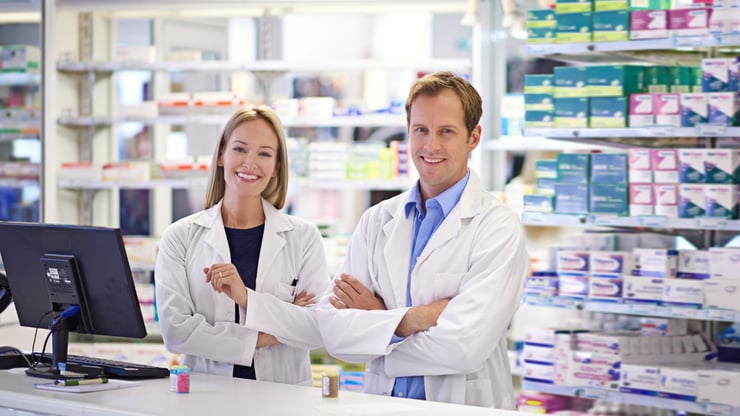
{"points": [[70, 278]]}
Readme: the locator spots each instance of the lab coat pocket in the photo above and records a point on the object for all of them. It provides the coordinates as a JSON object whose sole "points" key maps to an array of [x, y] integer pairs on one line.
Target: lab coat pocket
{"points": [[285, 292], [447, 285], [479, 392]]}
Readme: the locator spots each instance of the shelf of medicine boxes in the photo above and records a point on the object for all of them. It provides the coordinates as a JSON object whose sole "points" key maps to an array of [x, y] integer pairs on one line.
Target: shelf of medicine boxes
{"points": [[630, 398], [706, 41], [640, 221], [529, 143], [185, 183], [702, 130], [19, 78], [641, 309]]}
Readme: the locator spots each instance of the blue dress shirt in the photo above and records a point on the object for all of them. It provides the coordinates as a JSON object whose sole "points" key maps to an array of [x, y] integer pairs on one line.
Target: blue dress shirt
{"points": [[437, 210]]}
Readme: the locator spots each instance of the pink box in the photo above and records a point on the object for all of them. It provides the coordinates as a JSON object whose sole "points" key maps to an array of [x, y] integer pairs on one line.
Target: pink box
{"points": [[666, 199], [640, 168], [665, 165], [642, 199], [667, 107], [642, 111], [689, 22], [648, 24]]}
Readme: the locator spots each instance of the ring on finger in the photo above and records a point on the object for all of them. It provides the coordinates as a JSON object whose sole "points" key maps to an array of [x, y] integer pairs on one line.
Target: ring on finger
{"points": [[220, 275]]}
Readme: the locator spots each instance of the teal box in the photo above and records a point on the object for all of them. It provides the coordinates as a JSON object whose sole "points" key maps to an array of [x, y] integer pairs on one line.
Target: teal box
{"points": [[546, 168], [609, 168], [573, 6], [571, 198], [545, 186], [656, 79], [543, 102], [541, 34], [611, 26], [539, 203], [604, 5], [574, 28], [569, 81], [649, 4], [614, 80], [696, 79], [574, 167], [608, 112], [537, 118], [571, 113], [541, 18], [608, 199], [679, 79], [538, 84]]}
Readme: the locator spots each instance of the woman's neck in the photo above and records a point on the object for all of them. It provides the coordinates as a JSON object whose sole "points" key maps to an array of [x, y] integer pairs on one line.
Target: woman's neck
{"points": [[242, 212]]}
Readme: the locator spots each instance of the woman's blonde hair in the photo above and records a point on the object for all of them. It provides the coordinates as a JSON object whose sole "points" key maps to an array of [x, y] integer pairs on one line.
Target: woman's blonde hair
{"points": [[277, 188]]}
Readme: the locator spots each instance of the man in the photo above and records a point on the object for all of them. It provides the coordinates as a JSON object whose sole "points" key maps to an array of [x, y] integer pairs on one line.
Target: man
{"points": [[433, 276]]}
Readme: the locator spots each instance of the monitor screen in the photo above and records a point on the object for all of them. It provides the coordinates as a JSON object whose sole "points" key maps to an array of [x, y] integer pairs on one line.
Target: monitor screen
{"points": [[76, 274]]}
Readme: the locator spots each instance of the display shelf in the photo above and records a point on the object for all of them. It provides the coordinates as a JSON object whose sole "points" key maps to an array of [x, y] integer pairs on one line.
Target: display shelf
{"points": [[637, 399], [705, 130], [267, 66], [721, 40], [18, 182], [639, 221], [527, 143], [376, 184], [124, 184], [20, 78], [369, 120], [724, 315]]}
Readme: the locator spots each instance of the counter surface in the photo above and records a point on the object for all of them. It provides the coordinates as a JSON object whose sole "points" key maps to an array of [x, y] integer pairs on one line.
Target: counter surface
{"points": [[215, 395]]}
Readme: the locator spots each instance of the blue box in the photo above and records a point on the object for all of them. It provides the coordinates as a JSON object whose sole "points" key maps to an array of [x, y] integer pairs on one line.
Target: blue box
{"points": [[571, 198], [609, 168], [609, 199], [574, 167]]}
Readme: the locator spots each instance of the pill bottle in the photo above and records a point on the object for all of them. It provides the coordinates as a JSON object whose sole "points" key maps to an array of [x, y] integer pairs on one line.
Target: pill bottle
{"points": [[183, 380], [330, 384]]}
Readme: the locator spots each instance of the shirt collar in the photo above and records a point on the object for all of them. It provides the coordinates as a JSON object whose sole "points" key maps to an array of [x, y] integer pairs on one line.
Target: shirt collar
{"points": [[447, 199]]}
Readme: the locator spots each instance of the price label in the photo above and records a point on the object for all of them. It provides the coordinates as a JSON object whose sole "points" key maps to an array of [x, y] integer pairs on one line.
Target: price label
{"points": [[728, 40], [653, 220], [720, 314], [537, 301], [591, 393], [606, 220], [644, 309], [717, 409], [679, 312], [535, 218], [711, 130], [689, 40], [660, 131], [711, 223], [538, 49], [564, 303]]}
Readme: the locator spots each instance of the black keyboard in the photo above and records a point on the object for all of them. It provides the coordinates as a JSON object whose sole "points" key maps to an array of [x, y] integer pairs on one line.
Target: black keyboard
{"points": [[114, 368]]}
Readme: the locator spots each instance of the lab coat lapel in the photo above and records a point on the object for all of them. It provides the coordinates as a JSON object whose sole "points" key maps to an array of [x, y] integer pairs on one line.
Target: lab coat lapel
{"points": [[397, 250], [272, 241], [215, 237]]}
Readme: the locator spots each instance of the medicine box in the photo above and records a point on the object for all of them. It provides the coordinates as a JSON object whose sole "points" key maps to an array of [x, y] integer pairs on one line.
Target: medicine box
{"points": [[541, 34], [573, 6], [614, 80], [608, 198], [716, 74], [686, 293], [538, 101], [638, 289], [608, 112], [574, 27], [20, 58], [649, 4], [648, 24], [601, 5], [665, 165], [537, 118], [654, 262], [688, 22], [541, 18], [667, 109], [691, 200], [571, 112], [724, 263], [641, 112], [656, 79], [693, 264], [691, 167], [611, 26], [679, 79], [641, 198], [694, 109], [569, 81], [573, 167], [609, 167], [721, 166], [605, 289], [571, 198], [538, 84], [721, 201], [640, 165], [546, 168], [723, 108], [538, 203]]}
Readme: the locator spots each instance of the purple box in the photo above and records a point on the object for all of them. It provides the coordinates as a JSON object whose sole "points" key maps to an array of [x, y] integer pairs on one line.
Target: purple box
{"points": [[648, 24], [689, 22], [642, 110], [667, 107]]}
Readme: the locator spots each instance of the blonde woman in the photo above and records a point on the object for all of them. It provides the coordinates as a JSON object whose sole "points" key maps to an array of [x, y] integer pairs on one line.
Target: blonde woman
{"points": [[235, 283]]}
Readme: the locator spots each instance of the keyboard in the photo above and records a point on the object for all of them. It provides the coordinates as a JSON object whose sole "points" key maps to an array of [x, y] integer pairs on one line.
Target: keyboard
{"points": [[114, 368]]}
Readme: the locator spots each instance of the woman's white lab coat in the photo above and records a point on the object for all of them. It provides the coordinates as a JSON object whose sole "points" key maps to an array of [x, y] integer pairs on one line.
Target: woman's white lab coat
{"points": [[199, 322], [477, 257]]}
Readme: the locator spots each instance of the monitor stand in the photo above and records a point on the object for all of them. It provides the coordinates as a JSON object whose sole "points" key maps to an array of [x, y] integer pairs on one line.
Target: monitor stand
{"points": [[59, 370]]}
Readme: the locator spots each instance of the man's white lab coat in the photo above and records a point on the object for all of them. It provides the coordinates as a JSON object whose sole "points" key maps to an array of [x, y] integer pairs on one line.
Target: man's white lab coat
{"points": [[199, 322], [477, 257]]}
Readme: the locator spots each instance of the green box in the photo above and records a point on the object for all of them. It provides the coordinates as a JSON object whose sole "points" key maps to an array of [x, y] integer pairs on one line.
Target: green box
{"points": [[569, 81], [538, 84], [574, 167], [609, 198], [541, 18], [571, 112], [573, 6], [536, 118], [604, 5], [696, 76], [541, 34], [546, 168], [611, 26], [538, 203], [649, 4], [608, 112], [542, 102], [679, 79], [614, 80], [656, 79], [574, 28]]}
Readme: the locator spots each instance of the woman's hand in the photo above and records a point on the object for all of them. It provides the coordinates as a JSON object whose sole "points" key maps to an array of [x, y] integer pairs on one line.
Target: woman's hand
{"points": [[304, 299], [265, 340], [225, 279]]}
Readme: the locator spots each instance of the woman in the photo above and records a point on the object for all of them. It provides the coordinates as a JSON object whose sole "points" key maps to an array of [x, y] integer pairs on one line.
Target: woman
{"points": [[236, 282]]}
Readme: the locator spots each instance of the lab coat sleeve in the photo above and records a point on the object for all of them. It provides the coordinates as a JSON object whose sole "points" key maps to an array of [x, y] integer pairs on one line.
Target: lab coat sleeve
{"points": [[475, 320], [184, 329], [295, 325], [355, 335]]}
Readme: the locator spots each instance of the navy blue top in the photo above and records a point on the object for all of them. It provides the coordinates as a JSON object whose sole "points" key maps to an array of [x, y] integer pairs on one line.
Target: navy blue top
{"points": [[244, 246]]}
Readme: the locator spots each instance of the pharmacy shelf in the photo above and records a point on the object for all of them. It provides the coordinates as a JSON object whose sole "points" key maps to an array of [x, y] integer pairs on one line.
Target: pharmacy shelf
{"points": [[637, 399], [639, 221], [369, 120], [724, 315], [19, 182], [527, 143], [705, 130], [322, 66], [724, 40], [400, 184], [20, 78], [124, 184]]}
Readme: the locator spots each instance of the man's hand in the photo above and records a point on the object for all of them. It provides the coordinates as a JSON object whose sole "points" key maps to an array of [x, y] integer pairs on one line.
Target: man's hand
{"points": [[265, 340], [351, 294], [304, 299], [420, 318]]}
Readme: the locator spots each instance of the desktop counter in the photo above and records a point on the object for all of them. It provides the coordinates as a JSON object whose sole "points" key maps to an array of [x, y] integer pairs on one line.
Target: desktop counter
{"points": [[213, 395]]}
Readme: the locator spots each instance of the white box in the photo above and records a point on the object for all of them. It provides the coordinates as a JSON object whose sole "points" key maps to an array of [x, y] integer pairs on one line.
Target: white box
{"points": [[665, 165], [692, 201], [693, 264], [639, 379], [543, 373], [20, 58], [678, 383], [724, 263], [667, 109], [573, 261], [721, 200], [691, 165], [720, 165], [611, 263], [608, 289], [655, 262], [641, 110], [638, 289], [719, 385], [666, 199], [721, 293], [538, 354], [683, 292], [639, 165], [641, 198], [594, 370]]}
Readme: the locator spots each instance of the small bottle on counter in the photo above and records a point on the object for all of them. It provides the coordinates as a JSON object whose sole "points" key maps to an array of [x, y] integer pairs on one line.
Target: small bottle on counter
{"points": [[330, 384]]}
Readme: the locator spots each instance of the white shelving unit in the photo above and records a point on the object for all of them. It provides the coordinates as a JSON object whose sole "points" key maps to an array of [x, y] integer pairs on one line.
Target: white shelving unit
{"points": [[706, 130], [639, 221], [719, 40]]}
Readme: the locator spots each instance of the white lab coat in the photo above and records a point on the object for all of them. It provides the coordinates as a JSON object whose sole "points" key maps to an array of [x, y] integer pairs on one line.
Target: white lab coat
{"points": [[198, 322], [478, 257]]}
